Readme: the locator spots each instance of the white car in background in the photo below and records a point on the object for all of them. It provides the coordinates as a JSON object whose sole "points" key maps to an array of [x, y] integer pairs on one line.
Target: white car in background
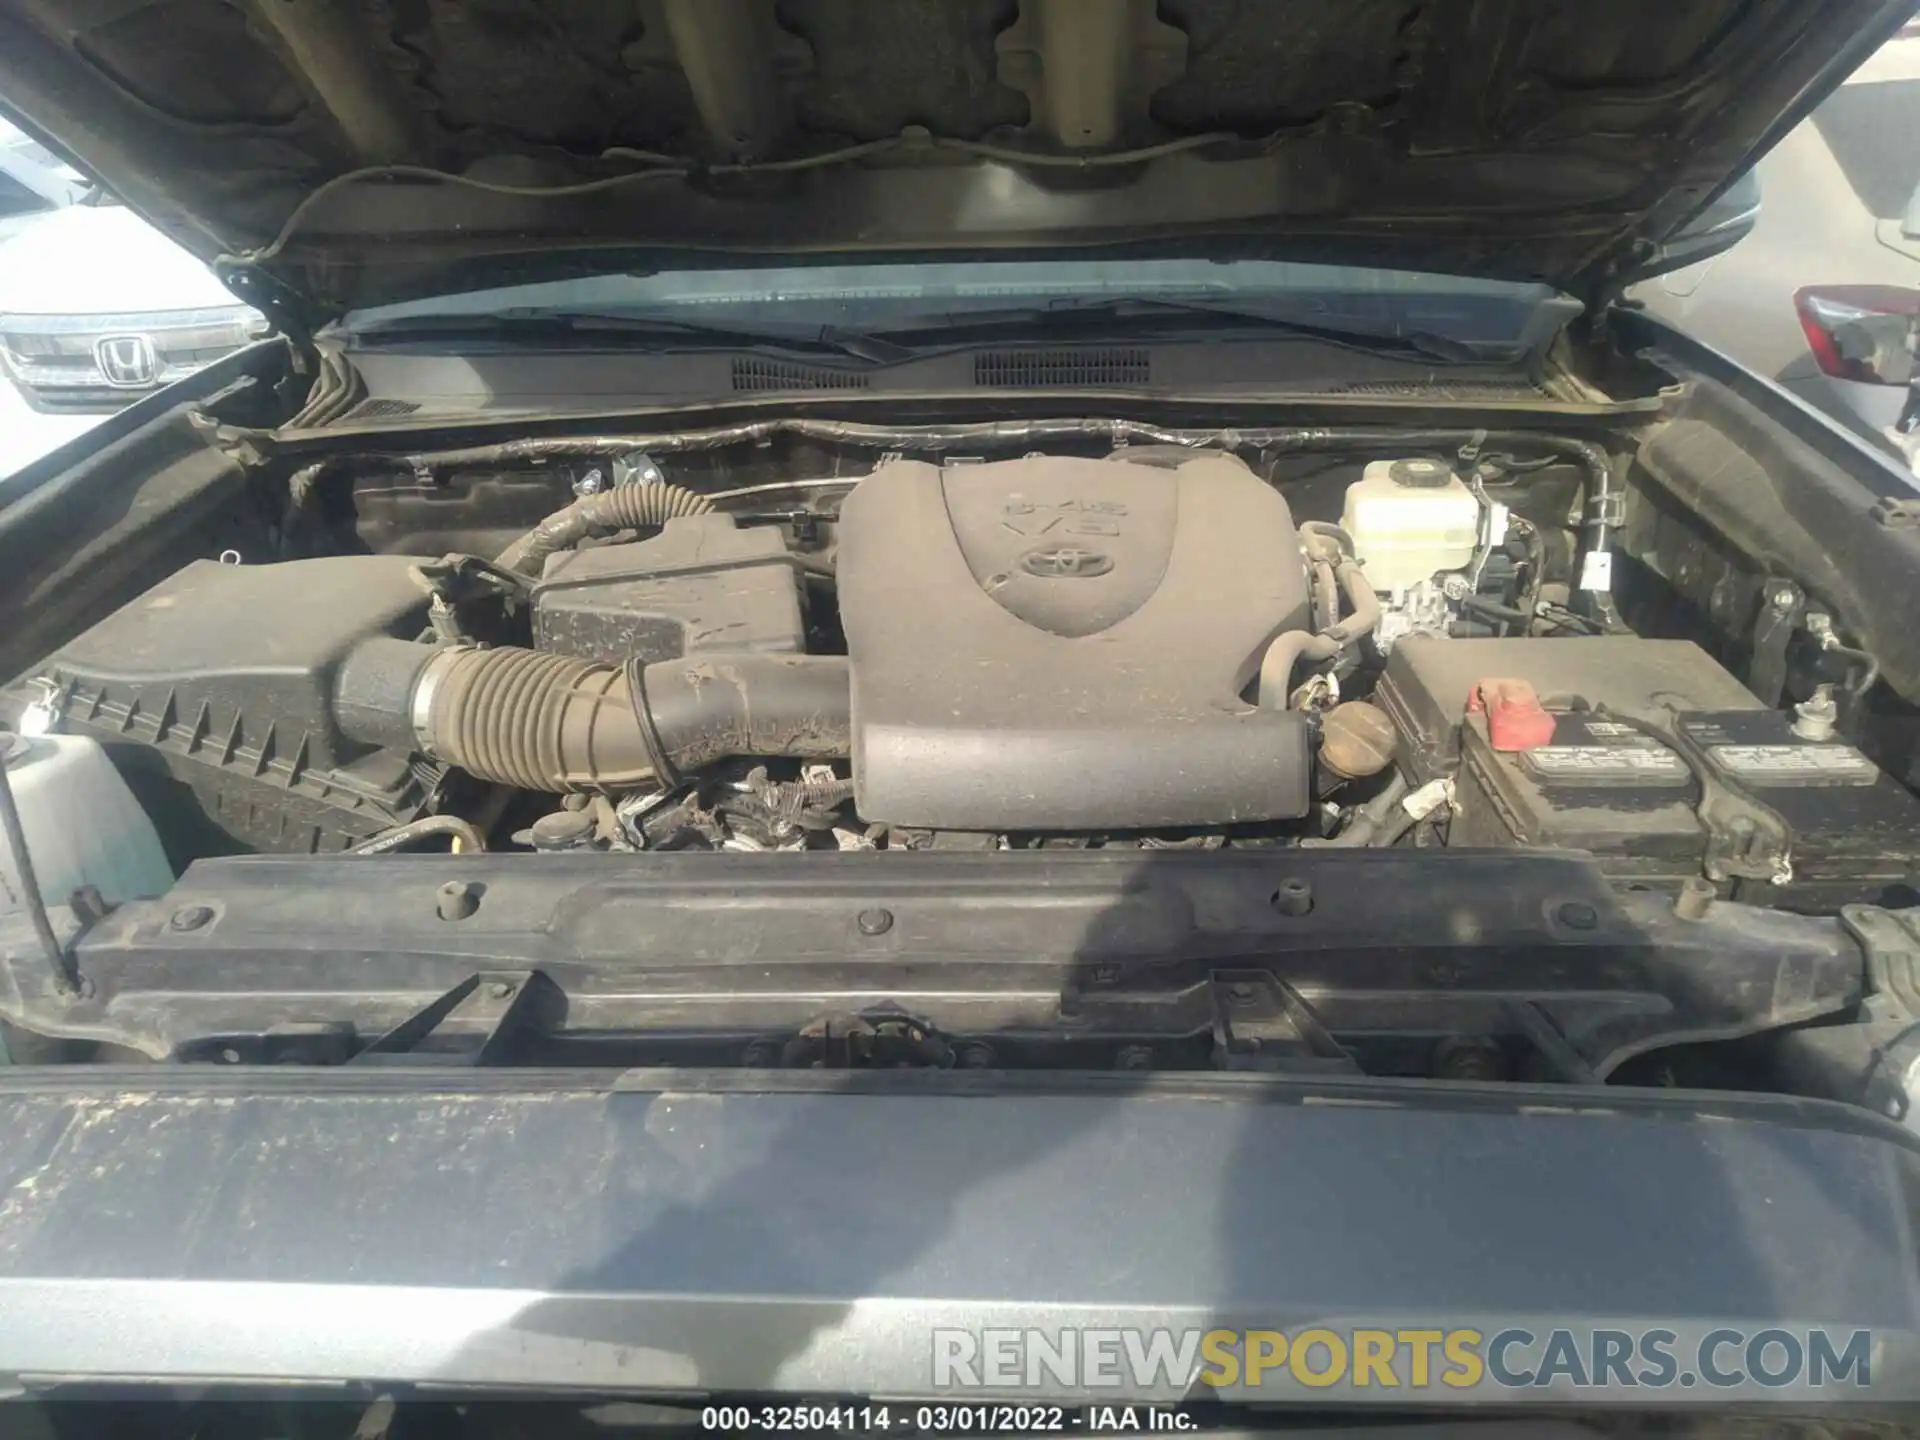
{"points": [[97, 308], [1824, 294]]}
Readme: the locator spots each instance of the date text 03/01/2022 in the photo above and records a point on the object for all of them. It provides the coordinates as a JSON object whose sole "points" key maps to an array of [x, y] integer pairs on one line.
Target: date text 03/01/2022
{"points": [[951, 1419]]}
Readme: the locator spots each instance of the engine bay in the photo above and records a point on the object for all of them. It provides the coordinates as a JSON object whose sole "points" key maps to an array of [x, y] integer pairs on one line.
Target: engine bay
{"points": [[1417, 751], [1057, 635]]}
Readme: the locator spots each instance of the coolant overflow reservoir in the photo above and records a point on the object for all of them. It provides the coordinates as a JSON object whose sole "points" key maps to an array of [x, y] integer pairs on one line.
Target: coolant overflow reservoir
{"points": [[1410, 520], [82, 824]]}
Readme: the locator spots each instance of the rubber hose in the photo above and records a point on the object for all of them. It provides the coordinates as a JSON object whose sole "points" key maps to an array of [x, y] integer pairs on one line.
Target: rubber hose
{"points": [[717, 707], [1364, 828], [1326, 594], [1318, 531], [1391, 830], [1290, 648], [1492, 610], [1286, 652], [626, 507], [554, 723], [1365, 618]]}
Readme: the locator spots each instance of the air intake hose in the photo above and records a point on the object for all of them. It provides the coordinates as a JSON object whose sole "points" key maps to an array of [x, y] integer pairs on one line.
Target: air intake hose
{"points": [[626, 507], [555, 723]]}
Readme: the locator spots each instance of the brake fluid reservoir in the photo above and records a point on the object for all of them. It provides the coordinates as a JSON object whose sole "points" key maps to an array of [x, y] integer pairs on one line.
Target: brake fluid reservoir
{"points": [[82, 824], [1410, 520]]}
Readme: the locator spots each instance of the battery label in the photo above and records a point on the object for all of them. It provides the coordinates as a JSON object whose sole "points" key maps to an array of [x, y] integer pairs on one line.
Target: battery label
{"points": [[1605, 764], [1784, 764]]}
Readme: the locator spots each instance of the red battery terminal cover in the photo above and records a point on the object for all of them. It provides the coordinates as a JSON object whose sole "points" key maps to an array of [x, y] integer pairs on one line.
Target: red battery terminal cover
{"points": [[1516, 720]]}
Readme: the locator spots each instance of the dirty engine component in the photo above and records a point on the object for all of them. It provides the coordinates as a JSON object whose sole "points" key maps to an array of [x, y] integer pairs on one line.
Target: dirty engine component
{"points": [[225, 680], [702, 584], [1649, 755], [1061, 644], [1145, 650]]}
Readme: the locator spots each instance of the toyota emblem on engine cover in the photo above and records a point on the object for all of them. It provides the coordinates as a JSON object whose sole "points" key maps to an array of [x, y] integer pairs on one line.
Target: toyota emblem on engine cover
{"points": [[1066, 562]]}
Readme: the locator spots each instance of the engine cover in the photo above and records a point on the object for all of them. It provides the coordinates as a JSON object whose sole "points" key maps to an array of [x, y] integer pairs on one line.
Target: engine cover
{"points": [[1061, 644]]}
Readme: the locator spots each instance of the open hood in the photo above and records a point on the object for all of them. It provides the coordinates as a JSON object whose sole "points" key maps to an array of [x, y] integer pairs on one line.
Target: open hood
{"points": [[334, 153]]}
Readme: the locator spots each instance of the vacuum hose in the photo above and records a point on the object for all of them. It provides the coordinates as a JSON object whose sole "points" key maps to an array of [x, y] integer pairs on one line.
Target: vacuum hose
{"points": [[1326, 547], [555, 723], [626, 507]]}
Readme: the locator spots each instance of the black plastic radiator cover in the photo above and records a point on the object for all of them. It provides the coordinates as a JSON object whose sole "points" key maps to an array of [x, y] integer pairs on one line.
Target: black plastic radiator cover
{"points": [[1031, 947]]}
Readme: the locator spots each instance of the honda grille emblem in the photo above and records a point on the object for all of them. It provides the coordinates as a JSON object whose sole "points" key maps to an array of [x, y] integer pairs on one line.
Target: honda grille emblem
{"points": [[126, 361]]}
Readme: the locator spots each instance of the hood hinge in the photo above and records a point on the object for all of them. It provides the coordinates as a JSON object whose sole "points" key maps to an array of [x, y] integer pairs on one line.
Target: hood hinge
{"points": [[285, 310]]}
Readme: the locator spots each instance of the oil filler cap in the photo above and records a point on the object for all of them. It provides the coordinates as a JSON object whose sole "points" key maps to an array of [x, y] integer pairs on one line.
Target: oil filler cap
{"points": [[1516, 720]]}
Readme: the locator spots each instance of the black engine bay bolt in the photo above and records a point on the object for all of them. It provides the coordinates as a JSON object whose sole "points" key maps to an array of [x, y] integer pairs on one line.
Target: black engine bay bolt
{"points": [[1294, 897], [191, 917], [457, 900], [874, 922], [976, 1057], [1578, 915]]}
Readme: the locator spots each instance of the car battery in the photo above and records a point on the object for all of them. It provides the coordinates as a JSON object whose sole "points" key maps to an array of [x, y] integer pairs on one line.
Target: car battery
{"points": [[1594, 783], [1856, 829], [1430, 678], [1597, 785]]}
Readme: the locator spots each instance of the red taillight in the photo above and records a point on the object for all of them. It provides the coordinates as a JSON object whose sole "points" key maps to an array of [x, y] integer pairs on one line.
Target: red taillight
{"points": [[1861, 332]]}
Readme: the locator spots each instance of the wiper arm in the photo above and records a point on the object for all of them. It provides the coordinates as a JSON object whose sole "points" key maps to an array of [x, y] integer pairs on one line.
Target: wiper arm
{"points": [[1421, 344], [919, 337], [1428, 343]]}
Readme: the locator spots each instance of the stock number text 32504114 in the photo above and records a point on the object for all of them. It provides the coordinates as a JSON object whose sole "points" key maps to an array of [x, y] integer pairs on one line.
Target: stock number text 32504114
{"points": [[935, 1419]]}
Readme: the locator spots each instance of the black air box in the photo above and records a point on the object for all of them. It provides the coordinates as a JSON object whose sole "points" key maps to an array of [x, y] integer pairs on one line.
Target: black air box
{"points": [[700, 585], [222, 677]]}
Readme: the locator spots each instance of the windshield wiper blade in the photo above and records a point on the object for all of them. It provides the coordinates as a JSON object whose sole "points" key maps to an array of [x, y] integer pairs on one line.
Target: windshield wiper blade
{"points": [[1427, 343], [920, 336], [1050, 320]]}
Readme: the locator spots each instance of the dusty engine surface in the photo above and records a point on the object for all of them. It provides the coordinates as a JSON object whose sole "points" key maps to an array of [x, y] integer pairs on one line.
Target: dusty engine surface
{"points": [[1051, 644], [220, 695], [1153, 649], [1054, 643], [702, 584]]}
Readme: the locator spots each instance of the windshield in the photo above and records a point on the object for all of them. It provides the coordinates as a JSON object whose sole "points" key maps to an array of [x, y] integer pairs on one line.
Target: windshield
{"points": [[876, 298]]}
